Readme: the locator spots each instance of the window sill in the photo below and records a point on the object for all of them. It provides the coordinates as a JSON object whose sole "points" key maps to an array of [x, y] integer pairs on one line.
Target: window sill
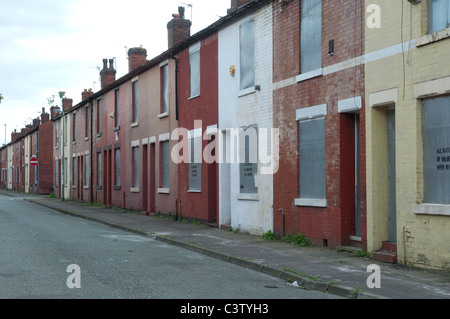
{"points": [[163, 190], [309, 75], [116, 188], [134, 124], [433, 37], [74, 187], [99, 188], [85, 187], [194, 191], [194, 97], [431, 209], [134, 189], [163, 115], [252, 197], [117, 128], [86, 138], [99, 135], [311, 202], [247, 91]]}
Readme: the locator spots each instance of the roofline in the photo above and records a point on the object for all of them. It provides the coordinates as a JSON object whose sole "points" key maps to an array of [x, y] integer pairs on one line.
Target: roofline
{"points": [[222, 22]]}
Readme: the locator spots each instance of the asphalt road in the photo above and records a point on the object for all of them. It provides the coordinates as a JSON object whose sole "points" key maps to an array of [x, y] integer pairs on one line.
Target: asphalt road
{"points": [[48, 255]]}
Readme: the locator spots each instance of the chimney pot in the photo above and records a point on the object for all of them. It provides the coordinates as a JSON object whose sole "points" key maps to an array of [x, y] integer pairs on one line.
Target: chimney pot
{"points": [[86, 94], [179, 28], [107, 75]]}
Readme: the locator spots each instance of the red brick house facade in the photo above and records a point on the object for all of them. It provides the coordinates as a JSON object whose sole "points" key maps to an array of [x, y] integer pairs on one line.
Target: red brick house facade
{"points": [[320, 111], [34, 140], [198, 111]]}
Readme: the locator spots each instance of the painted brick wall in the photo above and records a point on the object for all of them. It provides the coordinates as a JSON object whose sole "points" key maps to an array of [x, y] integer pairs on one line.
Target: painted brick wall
{"points": [[422, 238], [237, 111]]}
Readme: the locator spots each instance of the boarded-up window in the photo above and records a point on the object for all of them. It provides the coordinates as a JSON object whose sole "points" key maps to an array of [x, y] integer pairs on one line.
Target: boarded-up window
{"points": [[194, 59], [135, 155], [87, 165], [248, 154], [74, 126], [438, 15], [247, 54], [56, 172], [195, 163], [117, 108], [56, 134], [135, 102], [99, 169], [99, 116], [165, 89], [436, 150], [311, 35], [165, 162], [74, 171], [117, 166], [312, 159], [65, 168]]}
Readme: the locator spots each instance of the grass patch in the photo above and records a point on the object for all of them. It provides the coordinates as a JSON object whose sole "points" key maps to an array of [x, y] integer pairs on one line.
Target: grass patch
{"points": [[310, 277], [295, 239], [271, 236], [234, 230], [362, 253]]}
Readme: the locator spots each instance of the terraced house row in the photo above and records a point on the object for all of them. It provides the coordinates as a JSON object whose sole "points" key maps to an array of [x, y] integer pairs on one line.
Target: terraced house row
{"points": [[329, 118]]}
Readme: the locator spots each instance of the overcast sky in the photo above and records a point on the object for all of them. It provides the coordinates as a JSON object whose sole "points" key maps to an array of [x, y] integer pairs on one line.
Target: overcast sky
{"points": [[47, 46]]}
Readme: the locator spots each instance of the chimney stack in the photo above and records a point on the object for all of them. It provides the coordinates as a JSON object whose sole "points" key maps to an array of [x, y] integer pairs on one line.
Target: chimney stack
{"points": [[136, 58], [179, 28], [86, 94], [14, 135], [108, 74], [36, 122], [67, 104], [45, 117], [236, 4], [54, 111]]}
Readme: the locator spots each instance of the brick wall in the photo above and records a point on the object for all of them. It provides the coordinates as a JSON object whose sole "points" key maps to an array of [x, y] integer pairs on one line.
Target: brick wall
{"points": [[45, 146], [236, 110], [342, 22], [204, 108]]}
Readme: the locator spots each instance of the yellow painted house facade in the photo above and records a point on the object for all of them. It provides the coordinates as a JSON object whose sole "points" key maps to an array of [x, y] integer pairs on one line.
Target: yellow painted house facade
{"points": [[407, 67]]}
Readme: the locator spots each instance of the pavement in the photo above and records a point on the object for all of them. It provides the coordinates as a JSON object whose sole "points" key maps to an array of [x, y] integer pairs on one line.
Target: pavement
{"points": [[336, 271]]}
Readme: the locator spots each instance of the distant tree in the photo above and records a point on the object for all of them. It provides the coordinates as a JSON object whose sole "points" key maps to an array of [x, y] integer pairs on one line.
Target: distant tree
{"points": [[50, 101], [1, 98]]}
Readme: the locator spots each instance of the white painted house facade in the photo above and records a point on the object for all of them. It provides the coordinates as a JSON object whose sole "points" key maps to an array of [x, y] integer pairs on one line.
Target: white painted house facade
{"points": [[245, 105]]}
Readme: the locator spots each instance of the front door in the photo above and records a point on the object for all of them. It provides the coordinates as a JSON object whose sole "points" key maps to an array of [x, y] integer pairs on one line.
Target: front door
{"points": [[392, 212], [357, 178]]}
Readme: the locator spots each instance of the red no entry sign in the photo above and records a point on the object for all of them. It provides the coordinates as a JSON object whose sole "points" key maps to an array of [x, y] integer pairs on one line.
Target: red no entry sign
{"points": [[33, 161]]}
